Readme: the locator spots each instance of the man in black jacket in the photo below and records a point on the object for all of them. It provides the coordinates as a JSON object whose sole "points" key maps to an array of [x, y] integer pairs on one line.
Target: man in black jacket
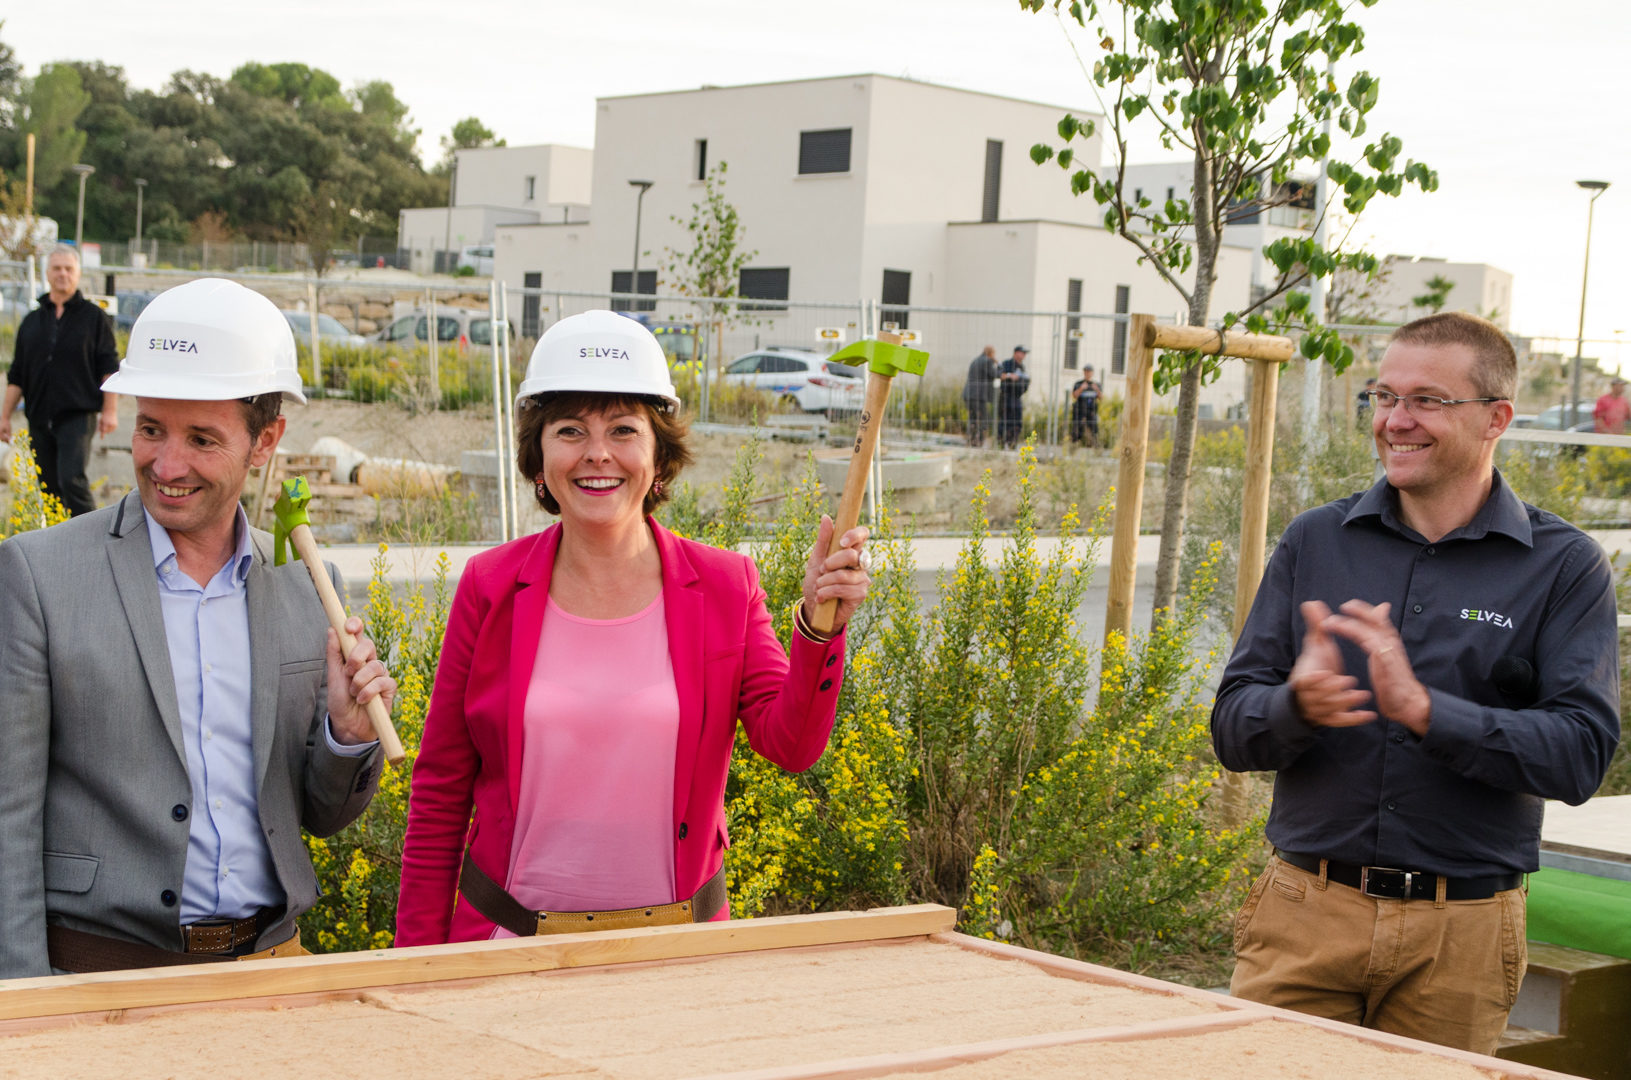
{"points": [[65, 349]]}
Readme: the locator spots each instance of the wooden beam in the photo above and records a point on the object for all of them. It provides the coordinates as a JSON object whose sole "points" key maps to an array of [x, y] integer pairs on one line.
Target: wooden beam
{"points": [[113, 990], [1254, 509], [1220, 342], [1135, 440]]}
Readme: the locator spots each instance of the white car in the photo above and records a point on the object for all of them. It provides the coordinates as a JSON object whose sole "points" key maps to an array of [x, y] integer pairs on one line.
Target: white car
{"points": [[804, 378], [329, 329]]}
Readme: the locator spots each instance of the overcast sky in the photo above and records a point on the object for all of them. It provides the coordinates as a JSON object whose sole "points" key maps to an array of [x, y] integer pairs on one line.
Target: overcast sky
{"points": [[1511, 101]]}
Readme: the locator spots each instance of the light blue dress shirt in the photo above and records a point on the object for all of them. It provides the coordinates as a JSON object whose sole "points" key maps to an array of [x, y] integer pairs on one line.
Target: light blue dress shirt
{"points": [[229, 871]]}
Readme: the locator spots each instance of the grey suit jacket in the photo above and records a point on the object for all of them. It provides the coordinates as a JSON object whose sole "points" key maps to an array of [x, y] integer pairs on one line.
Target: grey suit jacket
{"points": [[93, 774]]}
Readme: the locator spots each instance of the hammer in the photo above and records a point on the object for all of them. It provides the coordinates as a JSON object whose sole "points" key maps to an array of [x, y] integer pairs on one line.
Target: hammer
{"points": [[294, 524], [885, 357]]}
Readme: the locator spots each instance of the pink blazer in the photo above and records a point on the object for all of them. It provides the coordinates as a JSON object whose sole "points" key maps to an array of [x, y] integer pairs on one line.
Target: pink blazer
{"points": [[727, 664]]}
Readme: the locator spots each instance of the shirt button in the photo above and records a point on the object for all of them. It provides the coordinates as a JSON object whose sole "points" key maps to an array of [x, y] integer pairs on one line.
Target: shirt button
{"points": [[208, 735], [179, 812], [208, 668], [826, 684], [1398, 736], [831, 660], [1416, 609], [683, 830], [218, 804], [1390, 806], [168, 898], [1432, 551]]}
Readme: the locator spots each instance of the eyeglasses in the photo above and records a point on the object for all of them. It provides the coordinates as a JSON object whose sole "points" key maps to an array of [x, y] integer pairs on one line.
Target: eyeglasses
{"points": [[1421, 403]]}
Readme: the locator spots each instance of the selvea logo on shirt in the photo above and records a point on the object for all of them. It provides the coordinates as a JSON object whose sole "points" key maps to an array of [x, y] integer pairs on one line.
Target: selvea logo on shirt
{"points": [[171, 345], [1478, 615], [599, 352]]}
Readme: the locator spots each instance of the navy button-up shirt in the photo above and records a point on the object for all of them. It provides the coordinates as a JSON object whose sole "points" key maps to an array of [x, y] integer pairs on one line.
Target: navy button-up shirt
{"points": [[1508, 621]]}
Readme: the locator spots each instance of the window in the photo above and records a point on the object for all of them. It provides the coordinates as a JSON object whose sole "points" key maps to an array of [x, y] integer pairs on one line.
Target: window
{"points": [[763, 283], [897, 289], [824, 151], [1169, 193], [699, 163], [745, 366], [648, 284], [1138, 195], [1118, 341], [781, 365], [529, 304], [447, 328], [531, 188], [993, 180], [1073, 302]]}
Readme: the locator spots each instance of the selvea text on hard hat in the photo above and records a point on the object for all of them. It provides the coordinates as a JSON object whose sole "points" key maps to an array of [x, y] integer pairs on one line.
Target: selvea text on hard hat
{"points": [[601, 352], [209, 340]]}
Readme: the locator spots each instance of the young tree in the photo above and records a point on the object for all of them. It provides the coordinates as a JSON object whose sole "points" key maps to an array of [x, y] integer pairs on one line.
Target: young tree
{"points": [[468, 134], [1240, 86], [1437, 295], [712, 266]]}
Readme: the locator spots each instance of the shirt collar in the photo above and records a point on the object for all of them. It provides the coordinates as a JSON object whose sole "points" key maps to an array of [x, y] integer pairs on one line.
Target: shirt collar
{"points": [[1503, 512], [164, 549]]}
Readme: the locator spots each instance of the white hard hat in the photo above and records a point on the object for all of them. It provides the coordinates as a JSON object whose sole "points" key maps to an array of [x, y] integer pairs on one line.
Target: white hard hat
{"points": [[209, 340], [601, 352]]}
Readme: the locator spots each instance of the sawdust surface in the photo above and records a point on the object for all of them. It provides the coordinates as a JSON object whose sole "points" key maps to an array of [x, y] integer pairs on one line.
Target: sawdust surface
{"points": [[724, 1014], [1267, 1050]]}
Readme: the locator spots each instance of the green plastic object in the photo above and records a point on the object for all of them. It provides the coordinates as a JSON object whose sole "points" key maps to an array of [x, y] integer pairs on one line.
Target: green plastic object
{"points": [[1580, 911], [289, 511], [882, 357]]}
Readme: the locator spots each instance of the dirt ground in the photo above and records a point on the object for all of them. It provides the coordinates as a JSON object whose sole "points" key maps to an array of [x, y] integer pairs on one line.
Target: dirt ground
{"points": [[389, 431]]}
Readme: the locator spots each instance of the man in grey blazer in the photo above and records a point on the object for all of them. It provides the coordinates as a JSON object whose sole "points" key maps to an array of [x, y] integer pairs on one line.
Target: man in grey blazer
{"points": [[175, 708]]}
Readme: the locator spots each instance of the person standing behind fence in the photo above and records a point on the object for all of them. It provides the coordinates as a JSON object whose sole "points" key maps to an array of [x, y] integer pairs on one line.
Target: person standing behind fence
{"points": [[1613, 410], [65, 349], [1013, 381], [977, 394], [1084, 409]]}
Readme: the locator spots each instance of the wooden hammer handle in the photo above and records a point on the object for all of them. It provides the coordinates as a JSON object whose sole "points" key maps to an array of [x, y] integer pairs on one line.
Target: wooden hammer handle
{"points": [[306, 545], [860, 465]]}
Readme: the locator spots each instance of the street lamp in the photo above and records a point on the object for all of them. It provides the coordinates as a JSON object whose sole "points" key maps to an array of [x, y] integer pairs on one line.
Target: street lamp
{"points": [[79, 225], [140, 184], [634, 274], [1596, 187]]}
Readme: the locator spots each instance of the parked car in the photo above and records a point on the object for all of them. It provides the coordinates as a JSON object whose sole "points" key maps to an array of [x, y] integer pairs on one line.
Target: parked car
{"points": [[454, 326], [329, 329], [804, 378], [130, 305], [1556, 418], [478, 257]]}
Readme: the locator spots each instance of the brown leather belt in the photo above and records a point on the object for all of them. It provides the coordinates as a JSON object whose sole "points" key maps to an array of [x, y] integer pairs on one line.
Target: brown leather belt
{"points": [[80, 951], [498, 907]]}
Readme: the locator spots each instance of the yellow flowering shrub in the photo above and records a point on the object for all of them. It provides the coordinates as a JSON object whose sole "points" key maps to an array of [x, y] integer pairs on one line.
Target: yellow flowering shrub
{"points": [[359, 868], [32, 507]]}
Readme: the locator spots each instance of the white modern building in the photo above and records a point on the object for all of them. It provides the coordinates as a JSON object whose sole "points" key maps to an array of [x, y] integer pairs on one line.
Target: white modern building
{"points": [[863, 189], [1476, 287], [493, 186]]}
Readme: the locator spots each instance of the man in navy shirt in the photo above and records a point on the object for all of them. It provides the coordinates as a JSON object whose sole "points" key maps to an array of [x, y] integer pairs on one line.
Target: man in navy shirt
{"points": [[1424, 664]]}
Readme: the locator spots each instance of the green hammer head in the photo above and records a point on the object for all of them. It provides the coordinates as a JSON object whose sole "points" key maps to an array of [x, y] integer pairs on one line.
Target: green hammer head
{"points": [[290, 510], [882, 358]]}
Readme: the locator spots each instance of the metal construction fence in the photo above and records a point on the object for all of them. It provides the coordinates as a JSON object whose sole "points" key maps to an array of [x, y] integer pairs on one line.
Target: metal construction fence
{"points": [[445, 344]]}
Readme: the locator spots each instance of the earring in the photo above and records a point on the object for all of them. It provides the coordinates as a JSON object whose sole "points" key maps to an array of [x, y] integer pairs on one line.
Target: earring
{"points": [[657, 488], [539, 488]]}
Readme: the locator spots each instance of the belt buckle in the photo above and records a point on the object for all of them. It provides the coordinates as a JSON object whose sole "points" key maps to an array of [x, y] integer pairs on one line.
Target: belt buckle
{"points": [[1374, 879]]}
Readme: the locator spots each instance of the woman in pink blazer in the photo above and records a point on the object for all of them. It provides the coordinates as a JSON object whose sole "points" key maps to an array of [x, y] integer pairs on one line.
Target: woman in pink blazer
{"points": [[587, 668]]}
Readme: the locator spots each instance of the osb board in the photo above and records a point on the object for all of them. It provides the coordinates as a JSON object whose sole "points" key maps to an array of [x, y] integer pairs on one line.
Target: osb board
{"points": [[722, 1014]]}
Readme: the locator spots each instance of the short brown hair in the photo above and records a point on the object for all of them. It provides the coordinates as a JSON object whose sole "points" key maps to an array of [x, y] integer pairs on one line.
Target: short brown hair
{"points": [[671, 430], [1495, 372], [260, 411]]}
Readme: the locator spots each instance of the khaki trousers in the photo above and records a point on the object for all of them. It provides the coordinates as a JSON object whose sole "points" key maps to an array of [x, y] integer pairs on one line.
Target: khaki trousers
{"points": [[1446, 972]]}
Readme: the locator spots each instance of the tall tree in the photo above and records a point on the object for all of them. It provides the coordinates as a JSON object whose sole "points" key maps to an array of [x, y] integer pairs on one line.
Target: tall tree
{"points": [[50, 104], [468, 134], [1241, 87]]}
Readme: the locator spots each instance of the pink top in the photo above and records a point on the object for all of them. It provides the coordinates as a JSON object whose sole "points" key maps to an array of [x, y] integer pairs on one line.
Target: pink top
{"points": [[593, 828]]}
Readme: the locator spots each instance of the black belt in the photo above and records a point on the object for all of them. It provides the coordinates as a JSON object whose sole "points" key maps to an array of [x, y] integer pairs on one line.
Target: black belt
{"points": [[498, 907], [1390, 883]]}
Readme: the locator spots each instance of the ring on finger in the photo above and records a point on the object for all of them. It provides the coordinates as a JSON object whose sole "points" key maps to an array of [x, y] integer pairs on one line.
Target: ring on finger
{"points": [[864, 560]]}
